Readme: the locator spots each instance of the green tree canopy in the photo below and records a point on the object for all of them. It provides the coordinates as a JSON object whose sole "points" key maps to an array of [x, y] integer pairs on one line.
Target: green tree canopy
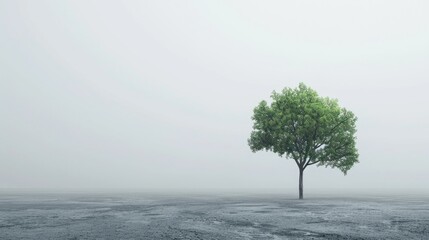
{"points": [[301, 125]]}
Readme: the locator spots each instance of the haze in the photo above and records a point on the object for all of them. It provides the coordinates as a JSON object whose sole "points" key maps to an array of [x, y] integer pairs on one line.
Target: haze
{"points": [[159, 94]]}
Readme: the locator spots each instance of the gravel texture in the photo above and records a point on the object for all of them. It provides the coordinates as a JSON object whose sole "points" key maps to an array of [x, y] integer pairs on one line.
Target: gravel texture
{"points": [[145, 216]]}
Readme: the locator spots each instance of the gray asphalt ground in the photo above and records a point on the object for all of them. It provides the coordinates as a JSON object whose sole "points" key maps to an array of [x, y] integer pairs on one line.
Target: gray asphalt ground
{"points": [[146, 216]]}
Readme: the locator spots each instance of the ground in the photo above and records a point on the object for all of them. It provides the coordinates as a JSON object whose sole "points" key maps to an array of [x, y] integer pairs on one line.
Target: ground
{"points": [[211, 216]]}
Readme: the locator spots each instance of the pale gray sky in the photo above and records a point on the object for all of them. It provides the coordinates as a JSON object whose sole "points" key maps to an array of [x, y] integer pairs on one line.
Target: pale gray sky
{"points": [[159, 94]]}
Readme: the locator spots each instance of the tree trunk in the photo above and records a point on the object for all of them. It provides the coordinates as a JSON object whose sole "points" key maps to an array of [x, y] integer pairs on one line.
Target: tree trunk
{"points": [[301, 186]]}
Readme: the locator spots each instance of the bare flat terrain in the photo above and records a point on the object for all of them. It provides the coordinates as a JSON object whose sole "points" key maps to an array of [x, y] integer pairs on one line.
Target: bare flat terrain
{"points": [[145, 216]]}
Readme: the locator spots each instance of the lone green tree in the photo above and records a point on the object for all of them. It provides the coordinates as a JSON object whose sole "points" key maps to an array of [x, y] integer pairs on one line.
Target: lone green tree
{"points": [[303, 126]]}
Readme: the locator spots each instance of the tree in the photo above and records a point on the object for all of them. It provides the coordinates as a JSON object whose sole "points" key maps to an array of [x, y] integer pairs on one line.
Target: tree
{"points": [[301, 125]]}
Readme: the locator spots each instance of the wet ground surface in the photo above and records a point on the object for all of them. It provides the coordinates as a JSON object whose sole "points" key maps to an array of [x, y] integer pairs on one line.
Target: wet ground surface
{"points": [[143, 216]]}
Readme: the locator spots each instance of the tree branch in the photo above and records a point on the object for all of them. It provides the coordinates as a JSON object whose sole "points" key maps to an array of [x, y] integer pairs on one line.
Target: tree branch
{"points": [[297, 146], [308, 163], [330, 133], [297, 162]]}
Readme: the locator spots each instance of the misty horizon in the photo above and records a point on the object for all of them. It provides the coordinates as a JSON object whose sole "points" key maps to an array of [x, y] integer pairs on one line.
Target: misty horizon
{"points": [[148, 96], [149, 119]]}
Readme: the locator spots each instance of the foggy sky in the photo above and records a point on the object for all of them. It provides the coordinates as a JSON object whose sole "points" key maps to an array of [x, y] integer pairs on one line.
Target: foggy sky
{"points": [[159, 94]]}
